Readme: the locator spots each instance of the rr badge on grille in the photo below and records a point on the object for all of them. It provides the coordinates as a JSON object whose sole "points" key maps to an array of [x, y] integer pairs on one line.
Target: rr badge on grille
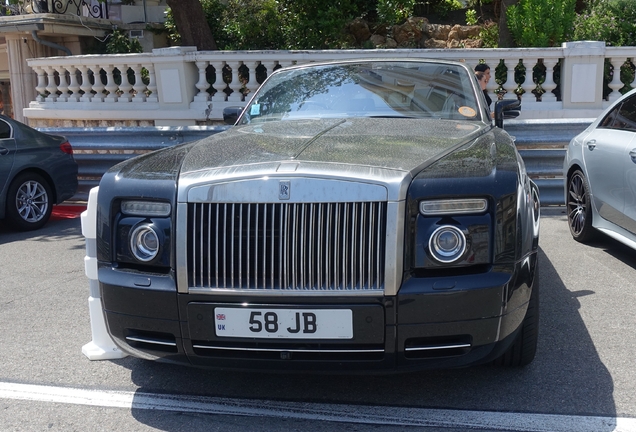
{"points": [[284, 190]]}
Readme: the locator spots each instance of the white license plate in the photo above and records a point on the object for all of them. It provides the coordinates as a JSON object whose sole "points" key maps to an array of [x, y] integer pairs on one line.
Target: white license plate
{"points": [[284, 323]]}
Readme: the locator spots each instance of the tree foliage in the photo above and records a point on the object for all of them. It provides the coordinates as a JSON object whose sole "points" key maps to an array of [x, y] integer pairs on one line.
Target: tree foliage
{"points": [[612, 21], [316, 24], [275, 24], [120, 43], [541, 23]]}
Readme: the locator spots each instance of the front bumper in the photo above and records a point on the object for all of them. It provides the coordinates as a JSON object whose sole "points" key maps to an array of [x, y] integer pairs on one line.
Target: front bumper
{"points": [[443, 322]]}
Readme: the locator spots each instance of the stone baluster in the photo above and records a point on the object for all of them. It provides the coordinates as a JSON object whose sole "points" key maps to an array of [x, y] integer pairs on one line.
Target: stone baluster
{"points": [[125, 87], [40, 88], [98, 85], [269, 66], [492, 84], [529, 85], [51, 87], [252, 84], [139, 87], [235, 84], [73, 86], [203, 85], [549, 84], [111, 87], [219, 84], [86, 85], [616, 84], [631, 84], [63, 86], [510, 85], [152, 85]]}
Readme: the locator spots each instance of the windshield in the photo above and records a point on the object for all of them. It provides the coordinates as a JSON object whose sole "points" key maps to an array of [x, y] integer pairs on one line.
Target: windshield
{"points": [[367, 89]]}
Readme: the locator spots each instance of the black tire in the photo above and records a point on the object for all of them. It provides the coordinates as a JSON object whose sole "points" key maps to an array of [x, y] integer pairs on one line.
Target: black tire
{"points": [[29, 202], [579, 208], [524, 348]]}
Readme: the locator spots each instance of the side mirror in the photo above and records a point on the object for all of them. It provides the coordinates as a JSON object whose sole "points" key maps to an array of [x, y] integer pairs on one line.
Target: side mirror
{"points": [[231, 114], [506, 109]]}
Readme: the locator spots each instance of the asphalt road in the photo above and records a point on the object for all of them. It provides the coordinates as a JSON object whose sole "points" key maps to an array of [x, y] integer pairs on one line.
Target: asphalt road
{"points": [[582, 379]]}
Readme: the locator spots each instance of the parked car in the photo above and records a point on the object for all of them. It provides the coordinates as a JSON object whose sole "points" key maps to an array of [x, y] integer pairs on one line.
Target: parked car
{"points": [[37, 171], [360, 215], [600, 173]]}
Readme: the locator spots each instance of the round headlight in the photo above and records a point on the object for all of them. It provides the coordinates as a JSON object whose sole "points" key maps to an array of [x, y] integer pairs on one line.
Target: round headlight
{"points": [[447, 244], [144, 243]]}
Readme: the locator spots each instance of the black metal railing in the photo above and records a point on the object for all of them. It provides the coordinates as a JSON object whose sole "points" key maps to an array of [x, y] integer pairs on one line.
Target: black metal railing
{"points": [[93, 9]]}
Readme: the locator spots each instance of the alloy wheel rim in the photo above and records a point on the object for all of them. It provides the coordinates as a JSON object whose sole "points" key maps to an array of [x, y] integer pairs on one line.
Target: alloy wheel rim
{"points": [[577, 204], [32, 201]]}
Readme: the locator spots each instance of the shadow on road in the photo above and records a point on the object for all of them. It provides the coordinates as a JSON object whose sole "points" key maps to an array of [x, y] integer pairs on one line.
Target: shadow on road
{"points": [[55, 229], [567, 376]]}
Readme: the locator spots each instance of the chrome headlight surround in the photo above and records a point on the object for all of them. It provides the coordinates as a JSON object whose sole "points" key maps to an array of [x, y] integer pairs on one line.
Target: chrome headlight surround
{"points": [[447, 244], [145, 242], [143, 233]]}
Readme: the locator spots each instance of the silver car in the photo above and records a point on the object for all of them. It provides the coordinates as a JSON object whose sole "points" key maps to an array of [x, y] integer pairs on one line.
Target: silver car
{"points": [[600, 173]]}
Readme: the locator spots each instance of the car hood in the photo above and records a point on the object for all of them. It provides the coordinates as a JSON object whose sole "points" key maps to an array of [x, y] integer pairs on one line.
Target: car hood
{"points": [[400, 144], [382, 151]]}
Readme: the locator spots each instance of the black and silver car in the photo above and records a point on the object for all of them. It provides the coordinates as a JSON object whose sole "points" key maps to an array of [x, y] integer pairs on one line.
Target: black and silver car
{"points": [[359, 216], [37, 171]]}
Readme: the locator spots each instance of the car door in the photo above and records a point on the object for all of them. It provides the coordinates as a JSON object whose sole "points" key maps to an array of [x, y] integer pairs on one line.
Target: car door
{"points": [[605, 151], [7, 155], [628, 110]]}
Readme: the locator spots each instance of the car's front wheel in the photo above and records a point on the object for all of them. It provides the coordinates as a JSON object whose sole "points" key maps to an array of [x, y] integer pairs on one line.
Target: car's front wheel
{"points": [[579, 208], [29, 202]]}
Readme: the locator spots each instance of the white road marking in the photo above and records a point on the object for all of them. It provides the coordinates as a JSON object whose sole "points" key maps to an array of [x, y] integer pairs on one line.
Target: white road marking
{"points": [[374, 415]]}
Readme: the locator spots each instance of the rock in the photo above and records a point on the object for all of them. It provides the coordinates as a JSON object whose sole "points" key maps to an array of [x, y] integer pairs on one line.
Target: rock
{"points": [[437, 31], [378, 40], [472, 43], [414, 32], [360, 30], [409, 32], [435, 43]]}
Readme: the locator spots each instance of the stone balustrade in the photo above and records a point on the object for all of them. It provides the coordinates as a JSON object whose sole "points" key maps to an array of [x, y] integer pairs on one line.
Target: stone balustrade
{"points": [[180, 86]]}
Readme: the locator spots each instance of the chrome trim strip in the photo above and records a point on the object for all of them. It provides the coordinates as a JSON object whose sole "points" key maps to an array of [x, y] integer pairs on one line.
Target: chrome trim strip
{"points": [[284, 292], [150, 341], [273, 264], [181, 236], [209, 248], [438, 347], [232, 248], [286, 350], [266, 189], [394, 258]]}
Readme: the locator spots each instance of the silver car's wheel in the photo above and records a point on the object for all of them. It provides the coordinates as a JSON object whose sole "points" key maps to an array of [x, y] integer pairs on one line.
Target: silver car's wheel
{"points": [[579, 207], [29, 203]]}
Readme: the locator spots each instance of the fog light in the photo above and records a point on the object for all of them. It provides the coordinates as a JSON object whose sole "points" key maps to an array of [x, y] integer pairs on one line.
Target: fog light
{"points": [[447, 244], [144, 243]]}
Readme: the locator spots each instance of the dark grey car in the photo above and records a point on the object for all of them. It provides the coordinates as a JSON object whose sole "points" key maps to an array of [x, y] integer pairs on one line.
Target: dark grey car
{"points": [[37, 171], [360, 216]]}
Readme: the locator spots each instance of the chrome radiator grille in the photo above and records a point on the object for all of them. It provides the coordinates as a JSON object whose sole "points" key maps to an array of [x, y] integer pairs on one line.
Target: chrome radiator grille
{"points": [[286, 246]]}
